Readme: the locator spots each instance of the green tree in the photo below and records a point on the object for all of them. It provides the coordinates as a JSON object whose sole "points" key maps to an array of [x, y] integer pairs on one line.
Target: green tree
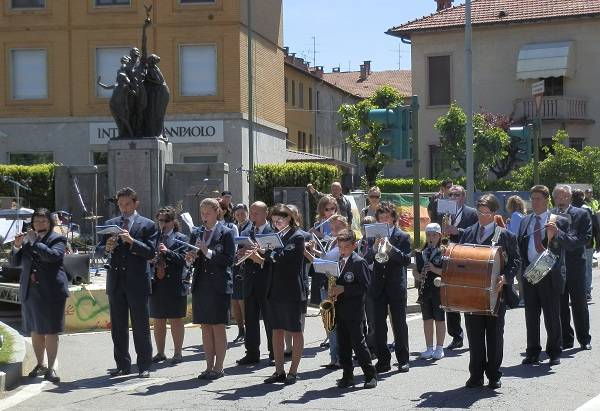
{"points": [[363, 135], [490, 143]]}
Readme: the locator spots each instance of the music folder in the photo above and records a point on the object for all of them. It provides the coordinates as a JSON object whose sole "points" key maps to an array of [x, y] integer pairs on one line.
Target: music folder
{"points": [[244, 242], [108, 229], [269, 241], [326, 267], [377, 230], [446, 206]]}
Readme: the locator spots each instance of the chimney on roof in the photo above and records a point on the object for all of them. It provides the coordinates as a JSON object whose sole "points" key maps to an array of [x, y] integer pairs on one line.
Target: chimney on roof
{"points": [[335, 70], [367, 64], [318, 71], [443, 4], [363, 72]]}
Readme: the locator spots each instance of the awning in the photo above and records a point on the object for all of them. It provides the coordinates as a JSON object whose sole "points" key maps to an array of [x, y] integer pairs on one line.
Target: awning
{"points": [[542, 60]]}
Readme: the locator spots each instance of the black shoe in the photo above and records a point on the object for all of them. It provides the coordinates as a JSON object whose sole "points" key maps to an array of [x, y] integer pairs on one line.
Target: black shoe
{"points": [[52, 377], [566, 346], [240, 337], [247, 360], [588, 297], [370, 383], [276, 378], [291, 379], [530, 359], [176, 359], [554, 361], [474, 383], [586, 347], [38, 371], [381, 368], [144, 374], [403, 367], [120, 371], [324, 344], [345, 382], [456, 343], [495, 384], [159, 358], [332, 366], [214, 375]]}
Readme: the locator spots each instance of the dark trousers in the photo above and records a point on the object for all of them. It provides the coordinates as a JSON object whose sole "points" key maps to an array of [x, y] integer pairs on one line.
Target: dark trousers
{"points": [[575, 291], [453, 325], [542, 297], [254, 307], [486, 344], [397, 308], [122, 306], [350, 337], [370, 323]]}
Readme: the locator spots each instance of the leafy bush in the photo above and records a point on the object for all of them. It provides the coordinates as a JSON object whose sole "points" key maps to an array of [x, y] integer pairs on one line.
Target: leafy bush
{"points": [[39, 177], [405, 185], [268, 176]]}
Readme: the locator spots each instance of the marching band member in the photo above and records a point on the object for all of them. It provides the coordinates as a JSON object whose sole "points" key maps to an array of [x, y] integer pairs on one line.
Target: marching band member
{"points": [[43, 289], [168, 300], [362, 248], [240, 214], [486, 332], [326, 208], [574, 240], [286, 292], [429, 265], [388, 291], [350, 294], [465, 217], [211, 286], [255, 286]]}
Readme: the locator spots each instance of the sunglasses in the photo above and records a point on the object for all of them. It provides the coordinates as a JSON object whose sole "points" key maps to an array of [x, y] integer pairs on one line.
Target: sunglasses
{"points": [[451, 195], [484, 214], [331, 209], [374, 196]]}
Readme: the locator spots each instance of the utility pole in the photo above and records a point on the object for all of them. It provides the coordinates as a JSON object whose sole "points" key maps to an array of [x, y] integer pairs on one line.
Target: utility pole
{"points": [[250, 109], [469, 102], [314, 51]]}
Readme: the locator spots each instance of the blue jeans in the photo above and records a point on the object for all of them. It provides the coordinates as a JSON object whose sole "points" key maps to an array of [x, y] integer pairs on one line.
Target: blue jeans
{"points": [[333, 344], [589, 256]]}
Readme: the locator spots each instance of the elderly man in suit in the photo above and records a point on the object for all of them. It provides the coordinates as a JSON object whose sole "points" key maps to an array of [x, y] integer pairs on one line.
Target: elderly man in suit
{"points": [[465, 217], [128, 283], [573, 240]]}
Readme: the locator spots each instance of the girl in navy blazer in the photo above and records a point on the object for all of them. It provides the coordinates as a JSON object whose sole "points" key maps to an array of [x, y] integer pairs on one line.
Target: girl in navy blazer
{"points": [[169, 285], [211, 285], [44, 289]]}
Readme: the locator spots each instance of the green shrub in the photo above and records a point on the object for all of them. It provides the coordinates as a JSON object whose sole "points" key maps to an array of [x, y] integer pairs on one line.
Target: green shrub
{"points": [[405, 185], [39, 177], [268, 176]]}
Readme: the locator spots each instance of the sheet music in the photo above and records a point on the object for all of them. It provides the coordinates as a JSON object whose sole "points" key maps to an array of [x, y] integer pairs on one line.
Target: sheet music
{"points": [[445, 206], [376, 230], [108, 229], [326, 267], [269, 241], [244, 242]]}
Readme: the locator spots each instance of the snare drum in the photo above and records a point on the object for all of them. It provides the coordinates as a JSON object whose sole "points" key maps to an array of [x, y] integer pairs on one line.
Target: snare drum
{"points": [[469, 278]]}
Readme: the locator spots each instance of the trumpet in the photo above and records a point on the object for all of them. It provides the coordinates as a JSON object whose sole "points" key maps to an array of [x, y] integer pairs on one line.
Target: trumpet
{"points": [[383, 251], [240, 260]]}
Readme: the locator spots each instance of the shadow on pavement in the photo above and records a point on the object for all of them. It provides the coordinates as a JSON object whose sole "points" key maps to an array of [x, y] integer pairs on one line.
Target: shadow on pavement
{"points": [[460, 398]]}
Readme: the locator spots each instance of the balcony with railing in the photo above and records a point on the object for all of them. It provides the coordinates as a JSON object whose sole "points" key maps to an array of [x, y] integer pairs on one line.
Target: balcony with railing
{"points": [[554, 108]]}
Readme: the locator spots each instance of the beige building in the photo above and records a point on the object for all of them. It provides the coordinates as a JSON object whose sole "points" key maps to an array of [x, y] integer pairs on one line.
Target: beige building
{"points": [[515, 43]]}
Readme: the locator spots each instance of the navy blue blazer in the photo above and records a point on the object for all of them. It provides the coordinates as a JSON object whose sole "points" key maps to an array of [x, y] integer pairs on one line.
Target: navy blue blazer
{"points": [[255, 276], [355, 277], [512, 263], [215, 271], [46, 256], [285, 282], [390, 277], [176, 270], [574, 239], [468, 218], [132, 264]]}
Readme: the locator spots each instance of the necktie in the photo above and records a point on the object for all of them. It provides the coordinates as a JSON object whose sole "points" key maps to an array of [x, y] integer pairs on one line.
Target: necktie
{"points": [[341, 264], [481, 231], [206, 235], [125, 224], [537, 236]]}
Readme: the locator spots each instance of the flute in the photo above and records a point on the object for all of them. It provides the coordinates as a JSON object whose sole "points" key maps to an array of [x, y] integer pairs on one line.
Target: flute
{"points": [[183, 243], [323, 222]]}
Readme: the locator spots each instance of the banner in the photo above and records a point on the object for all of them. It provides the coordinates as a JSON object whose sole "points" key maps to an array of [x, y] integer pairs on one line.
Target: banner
{"points": [[404, 206]]}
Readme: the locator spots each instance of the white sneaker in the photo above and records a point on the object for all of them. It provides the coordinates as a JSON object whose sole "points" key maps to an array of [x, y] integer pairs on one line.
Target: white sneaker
{"points": [[427, 354], [438, 354]]}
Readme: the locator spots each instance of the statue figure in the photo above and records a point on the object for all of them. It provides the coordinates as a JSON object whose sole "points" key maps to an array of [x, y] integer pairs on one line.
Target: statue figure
{"points": [[157, 93]]}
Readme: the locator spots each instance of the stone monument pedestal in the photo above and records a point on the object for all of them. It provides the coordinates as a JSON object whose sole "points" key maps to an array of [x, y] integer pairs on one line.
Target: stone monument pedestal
{"points": [[140, 164]]}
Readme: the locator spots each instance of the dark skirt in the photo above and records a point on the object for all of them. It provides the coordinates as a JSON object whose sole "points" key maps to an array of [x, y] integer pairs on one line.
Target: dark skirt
{"points": [[286, 316], [209, 307], [40, 316], [164, 303]]}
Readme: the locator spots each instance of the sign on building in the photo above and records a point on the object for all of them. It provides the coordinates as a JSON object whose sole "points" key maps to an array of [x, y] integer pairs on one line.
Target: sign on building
{"points": [[175, 131]]}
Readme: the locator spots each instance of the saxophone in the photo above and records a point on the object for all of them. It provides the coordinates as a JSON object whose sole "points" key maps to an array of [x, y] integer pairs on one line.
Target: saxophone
{"points": [[327, 306], [434, 257]]}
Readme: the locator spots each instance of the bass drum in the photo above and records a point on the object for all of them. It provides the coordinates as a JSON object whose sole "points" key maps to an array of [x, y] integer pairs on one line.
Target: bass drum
{"points": [[469, 277]]}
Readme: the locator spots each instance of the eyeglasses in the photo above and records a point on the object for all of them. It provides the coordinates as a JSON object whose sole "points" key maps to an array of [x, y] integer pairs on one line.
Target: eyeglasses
{"points": [[484, 214], [331, 209], [453, 195], [374, 196]]}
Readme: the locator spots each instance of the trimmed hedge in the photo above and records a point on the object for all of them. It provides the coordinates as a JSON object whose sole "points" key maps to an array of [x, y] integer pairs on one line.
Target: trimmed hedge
{"points": [[39, 177], [405, 185], [268, 176]]}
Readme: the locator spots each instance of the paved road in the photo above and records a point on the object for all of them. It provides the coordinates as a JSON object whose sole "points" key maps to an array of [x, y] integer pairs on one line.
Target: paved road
{"points": [[85, 358]]}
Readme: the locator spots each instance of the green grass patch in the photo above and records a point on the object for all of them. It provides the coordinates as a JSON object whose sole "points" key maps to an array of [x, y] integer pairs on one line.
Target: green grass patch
{"points": [[6, 352]]}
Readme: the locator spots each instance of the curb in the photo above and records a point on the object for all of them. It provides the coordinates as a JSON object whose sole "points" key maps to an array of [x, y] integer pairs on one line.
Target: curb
{"points": [[21, 363]]}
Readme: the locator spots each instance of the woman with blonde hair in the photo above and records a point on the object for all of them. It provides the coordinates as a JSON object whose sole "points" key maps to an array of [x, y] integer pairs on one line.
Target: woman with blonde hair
{"points": [[374, 197], [515, 206], [326, 208]]}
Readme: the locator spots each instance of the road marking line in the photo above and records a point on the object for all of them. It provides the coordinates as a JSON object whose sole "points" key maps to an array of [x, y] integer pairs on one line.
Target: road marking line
{"points": [[591, 405]]}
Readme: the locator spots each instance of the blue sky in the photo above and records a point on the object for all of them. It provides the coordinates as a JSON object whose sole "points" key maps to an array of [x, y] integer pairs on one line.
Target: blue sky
{"points": [[350, 31]]}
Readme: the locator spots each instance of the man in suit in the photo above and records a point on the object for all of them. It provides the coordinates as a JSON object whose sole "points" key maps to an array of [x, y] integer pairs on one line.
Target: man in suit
{"points": [[128, 283], [350, 295], [465, 217], [388, 290], [545, 295], [255, 285], [573, 241], [486, 332]]}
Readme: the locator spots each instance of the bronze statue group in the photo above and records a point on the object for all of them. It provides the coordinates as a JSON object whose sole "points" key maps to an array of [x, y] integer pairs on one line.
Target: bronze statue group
{"points": [[153, 267]]}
